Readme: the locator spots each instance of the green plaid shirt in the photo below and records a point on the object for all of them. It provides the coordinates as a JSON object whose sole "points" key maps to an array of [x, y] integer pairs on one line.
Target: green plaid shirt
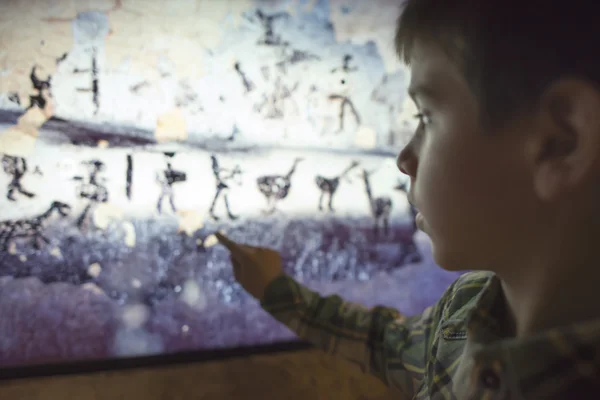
{"points": [[454, 350]]}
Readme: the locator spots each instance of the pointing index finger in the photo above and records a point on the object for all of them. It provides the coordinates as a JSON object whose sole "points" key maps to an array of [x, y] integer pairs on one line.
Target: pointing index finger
{"points": [[232, 246]]}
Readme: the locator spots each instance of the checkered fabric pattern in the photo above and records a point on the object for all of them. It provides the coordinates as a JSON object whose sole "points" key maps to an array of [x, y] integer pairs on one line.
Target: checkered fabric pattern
{"points": [[456, 349]]}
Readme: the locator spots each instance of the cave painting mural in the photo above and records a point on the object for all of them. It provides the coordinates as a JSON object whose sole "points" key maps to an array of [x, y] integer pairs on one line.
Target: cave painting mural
{"points": [[122, 158]]}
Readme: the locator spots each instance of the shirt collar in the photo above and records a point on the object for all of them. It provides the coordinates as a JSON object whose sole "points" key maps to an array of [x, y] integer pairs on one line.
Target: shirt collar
{"points": [[555, 361]]}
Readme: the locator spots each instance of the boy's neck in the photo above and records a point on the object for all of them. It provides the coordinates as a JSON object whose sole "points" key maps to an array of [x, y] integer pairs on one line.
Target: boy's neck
{"points": [[536, 308], [559, 288]]}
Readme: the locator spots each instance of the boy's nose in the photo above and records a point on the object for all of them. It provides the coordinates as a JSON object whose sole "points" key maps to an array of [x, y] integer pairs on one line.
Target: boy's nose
{"points": [[407, 162]]}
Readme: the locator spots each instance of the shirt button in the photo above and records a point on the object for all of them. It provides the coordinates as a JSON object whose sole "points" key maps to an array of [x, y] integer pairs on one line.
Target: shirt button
{"points": [[490, 380]]}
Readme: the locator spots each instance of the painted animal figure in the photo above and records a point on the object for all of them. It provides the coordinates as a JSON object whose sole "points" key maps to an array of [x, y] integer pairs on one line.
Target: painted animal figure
{"points": [[411, 248], [276, 187], [403, 187], [329, 186], [30, 228], [380, 207]]}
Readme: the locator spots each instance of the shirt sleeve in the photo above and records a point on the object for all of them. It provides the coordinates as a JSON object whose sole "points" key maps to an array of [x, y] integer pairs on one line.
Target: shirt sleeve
{"points": [[381, 340]]}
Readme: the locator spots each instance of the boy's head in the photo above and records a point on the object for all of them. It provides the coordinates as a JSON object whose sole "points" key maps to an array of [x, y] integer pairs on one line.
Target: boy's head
{"points": [[508, 145]]}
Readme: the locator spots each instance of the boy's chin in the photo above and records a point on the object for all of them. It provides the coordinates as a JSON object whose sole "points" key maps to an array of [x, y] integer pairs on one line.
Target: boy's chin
{"points": [[448, 260], [444, 256]]}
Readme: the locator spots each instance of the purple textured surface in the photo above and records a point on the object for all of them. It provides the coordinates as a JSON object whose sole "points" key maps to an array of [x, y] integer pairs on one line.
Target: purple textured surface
{"points": [[42, 323], [46, 315]]}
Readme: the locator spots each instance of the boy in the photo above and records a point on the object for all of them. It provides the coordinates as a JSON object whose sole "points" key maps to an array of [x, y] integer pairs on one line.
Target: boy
{"points": [[505, 173]]}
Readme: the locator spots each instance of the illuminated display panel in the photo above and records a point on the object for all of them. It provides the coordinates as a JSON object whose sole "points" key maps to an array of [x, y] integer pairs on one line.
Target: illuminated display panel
{"points": [[131, 132]]}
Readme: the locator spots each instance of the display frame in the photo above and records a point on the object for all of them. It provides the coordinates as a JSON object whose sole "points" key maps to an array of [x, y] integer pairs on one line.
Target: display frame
{"points": [[85, 367]]}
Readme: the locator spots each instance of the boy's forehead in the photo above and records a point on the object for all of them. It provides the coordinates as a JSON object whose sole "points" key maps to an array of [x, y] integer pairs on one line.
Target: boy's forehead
{"points": [[432, 71]]}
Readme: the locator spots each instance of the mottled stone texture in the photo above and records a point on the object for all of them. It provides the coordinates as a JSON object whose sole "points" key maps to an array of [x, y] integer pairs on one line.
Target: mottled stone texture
{"points": [[295, 375]]}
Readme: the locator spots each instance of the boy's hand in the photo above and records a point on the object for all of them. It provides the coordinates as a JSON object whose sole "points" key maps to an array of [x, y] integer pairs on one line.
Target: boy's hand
{"points": [[253, 267]]}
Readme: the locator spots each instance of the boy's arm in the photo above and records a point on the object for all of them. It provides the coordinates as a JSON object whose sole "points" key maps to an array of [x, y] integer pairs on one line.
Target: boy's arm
{"points": [[381, 340]]}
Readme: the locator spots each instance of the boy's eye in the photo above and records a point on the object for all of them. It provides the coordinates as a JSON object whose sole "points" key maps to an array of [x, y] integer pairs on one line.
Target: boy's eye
{"points": [[423, 118]]}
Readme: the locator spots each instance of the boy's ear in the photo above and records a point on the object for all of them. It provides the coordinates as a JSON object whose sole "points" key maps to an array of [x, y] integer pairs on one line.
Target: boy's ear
{"points": [[566, 144]]}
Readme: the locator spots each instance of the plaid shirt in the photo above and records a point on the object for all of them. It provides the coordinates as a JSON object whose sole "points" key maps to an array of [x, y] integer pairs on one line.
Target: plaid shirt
{"points": [[453, 350]]}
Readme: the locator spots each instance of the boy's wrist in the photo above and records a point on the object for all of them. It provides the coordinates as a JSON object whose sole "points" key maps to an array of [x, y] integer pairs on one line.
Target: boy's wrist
{"points": [[278, 290]]}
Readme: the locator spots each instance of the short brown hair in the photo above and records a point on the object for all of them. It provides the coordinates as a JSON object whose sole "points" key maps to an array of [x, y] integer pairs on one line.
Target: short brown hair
{"points": [[509, 51]]}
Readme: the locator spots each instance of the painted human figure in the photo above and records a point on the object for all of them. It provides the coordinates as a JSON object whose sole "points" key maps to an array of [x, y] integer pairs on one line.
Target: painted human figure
{"points": [[293, 57], [92, 189], [17, 140], [275, 102], [344, 101], [270, 38], [313, 108], [223, 177], [167, 178], [390, 95], [345, 65], [16, 167], [42, 88], [248, 84], [94, 86]]}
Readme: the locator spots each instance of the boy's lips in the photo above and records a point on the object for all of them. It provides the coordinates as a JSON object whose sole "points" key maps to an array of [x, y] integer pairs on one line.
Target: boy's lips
{"points": [[419, 220]]}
